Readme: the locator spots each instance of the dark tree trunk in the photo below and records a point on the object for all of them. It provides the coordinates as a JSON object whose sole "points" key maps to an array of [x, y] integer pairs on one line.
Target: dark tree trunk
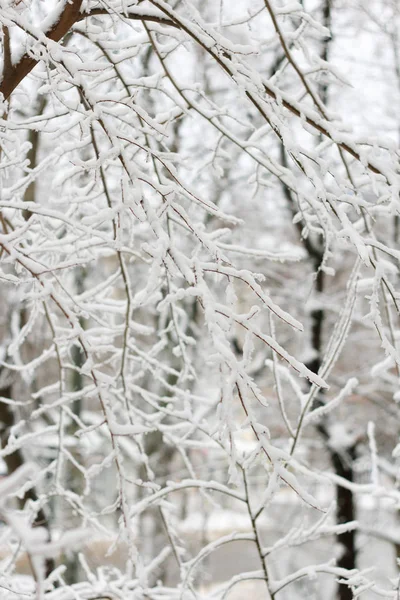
{"points": [[342, 463], [345, 512]]}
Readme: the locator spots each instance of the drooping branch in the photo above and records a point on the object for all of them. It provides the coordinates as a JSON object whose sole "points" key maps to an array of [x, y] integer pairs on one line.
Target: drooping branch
{"points": [[72, 14], [319, 123]]}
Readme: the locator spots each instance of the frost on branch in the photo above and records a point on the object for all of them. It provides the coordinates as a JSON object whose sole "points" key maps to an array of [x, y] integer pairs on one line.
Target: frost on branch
{"points": [[200, 307]]}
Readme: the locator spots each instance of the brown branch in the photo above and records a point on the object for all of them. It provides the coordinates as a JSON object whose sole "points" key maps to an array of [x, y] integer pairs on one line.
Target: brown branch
{"points": [[289, 57], [71, 15], [7, 52], [19, 71], [224, 61], [131, 16]]}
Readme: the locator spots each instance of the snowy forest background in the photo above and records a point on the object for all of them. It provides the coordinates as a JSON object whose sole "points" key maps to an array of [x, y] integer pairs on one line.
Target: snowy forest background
{"points": [[200, 299]]}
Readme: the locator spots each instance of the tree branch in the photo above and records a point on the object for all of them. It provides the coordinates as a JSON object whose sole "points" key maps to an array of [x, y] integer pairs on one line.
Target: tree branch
{"points": [[7, 52], [72, 15], [14, 74]]}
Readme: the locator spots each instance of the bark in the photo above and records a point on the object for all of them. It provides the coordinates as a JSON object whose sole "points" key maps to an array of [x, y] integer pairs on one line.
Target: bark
{"points": [[14, 74], [345, 512]]}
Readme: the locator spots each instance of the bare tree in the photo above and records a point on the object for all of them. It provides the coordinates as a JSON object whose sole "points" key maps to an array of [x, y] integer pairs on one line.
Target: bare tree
{"points": [[200, 302]]}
